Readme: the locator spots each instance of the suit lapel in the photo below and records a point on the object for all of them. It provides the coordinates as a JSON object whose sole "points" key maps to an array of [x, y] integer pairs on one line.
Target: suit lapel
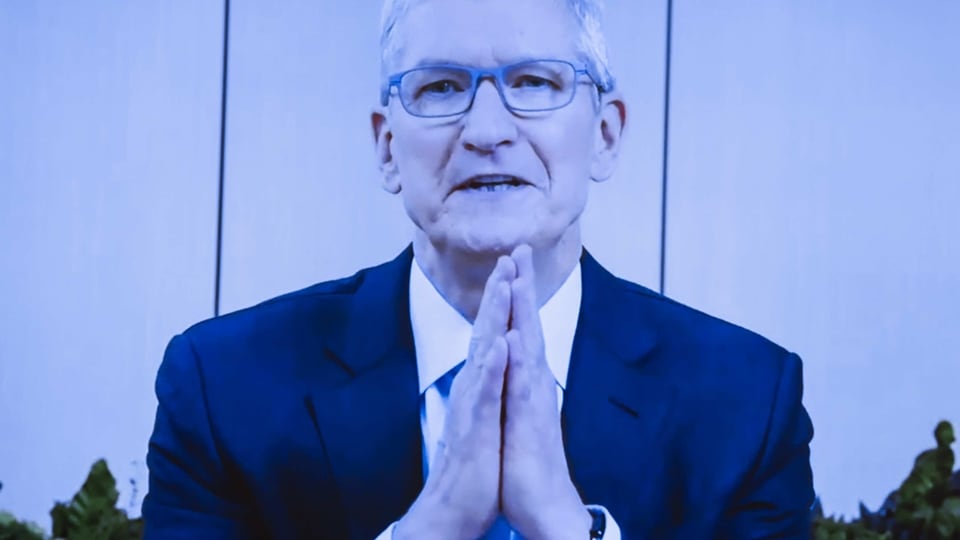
{"points": [[370, 425], [616, 406], [615, 411]]}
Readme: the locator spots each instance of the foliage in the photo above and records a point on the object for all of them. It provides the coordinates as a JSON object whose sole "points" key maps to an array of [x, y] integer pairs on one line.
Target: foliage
{"points": [[925, 507], [91, 514], [11, 529]]}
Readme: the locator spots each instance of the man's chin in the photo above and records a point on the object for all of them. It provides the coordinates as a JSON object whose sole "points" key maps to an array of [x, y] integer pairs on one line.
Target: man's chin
{"points": [[489, 245]]}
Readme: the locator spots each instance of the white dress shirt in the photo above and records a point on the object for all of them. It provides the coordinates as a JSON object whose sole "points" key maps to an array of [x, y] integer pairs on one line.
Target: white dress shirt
{"points": [[442, 336]]}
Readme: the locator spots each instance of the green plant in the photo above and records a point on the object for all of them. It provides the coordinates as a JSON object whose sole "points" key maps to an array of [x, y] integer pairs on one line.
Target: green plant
{"points": [[90, 515], [926, 506], [11, 529]]}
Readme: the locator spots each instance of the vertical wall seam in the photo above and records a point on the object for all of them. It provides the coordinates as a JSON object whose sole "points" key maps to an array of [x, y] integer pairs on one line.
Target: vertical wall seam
{"points": [[666, 150], [223, 135]]}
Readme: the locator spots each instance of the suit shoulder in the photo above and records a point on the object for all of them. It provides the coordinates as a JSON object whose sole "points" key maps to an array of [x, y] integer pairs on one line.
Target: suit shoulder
{"points": [[321, 304], [695, 331]]}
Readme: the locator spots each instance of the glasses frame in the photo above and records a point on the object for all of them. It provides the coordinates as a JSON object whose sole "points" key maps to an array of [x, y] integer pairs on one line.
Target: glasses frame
{"points": [[476, 76]]}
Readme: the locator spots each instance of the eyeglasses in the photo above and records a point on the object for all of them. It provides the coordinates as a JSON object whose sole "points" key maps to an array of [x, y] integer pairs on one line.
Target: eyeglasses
{"points": [[442, 90]]}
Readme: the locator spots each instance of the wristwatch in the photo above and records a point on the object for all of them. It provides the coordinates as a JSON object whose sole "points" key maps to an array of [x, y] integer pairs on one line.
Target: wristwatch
{"points": [[599, 525]]}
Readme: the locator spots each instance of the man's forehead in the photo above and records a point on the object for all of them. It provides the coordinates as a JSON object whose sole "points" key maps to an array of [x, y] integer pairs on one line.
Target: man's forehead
{"points": [[466, 4], [483, 33]]}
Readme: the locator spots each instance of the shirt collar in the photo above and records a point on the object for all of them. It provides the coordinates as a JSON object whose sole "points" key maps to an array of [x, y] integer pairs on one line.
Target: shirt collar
{"points": [[441, 335]]}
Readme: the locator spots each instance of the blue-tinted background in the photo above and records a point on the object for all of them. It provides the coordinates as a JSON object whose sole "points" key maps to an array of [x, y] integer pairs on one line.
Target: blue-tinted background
{"points": [[812, 186]]}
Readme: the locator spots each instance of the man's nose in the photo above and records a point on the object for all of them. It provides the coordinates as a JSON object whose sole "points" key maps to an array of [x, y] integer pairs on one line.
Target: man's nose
{"points": [[488, 124]]}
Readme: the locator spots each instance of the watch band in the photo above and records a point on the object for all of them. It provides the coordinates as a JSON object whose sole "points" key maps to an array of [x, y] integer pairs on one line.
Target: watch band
{"points": [[599, 525]]}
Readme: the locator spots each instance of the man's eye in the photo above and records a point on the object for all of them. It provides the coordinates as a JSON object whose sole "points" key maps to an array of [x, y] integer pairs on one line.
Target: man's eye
{"points": [[440, 88], [532, 81]]}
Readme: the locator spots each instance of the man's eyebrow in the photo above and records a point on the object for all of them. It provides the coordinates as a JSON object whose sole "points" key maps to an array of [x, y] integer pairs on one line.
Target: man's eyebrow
{"points": [[435, 61]]}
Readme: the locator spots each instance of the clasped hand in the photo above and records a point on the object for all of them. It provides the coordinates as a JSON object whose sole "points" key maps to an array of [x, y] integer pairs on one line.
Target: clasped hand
{"points": [[501, 451]]}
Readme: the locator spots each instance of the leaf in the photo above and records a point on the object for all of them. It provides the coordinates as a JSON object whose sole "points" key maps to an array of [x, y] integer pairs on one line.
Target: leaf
{"points": [[11, 529], [35, 529], [92, 512], [923, 514], [951, 505], [60, 515], [101, 484]]}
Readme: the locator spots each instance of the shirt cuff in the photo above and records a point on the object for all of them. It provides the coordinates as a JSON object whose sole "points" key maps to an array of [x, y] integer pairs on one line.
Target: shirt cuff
{"points": [[612, 531]]}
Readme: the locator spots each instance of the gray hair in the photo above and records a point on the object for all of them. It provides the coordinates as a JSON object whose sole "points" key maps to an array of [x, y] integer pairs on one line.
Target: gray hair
{"points": [[591, 44]]}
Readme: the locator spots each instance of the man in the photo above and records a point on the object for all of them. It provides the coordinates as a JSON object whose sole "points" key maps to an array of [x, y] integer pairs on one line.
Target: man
{"points": [[493, 380]]}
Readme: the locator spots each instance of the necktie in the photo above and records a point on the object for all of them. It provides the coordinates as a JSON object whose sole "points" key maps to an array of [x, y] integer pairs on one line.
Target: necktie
{"points": [[500, 530], [446, 381]]}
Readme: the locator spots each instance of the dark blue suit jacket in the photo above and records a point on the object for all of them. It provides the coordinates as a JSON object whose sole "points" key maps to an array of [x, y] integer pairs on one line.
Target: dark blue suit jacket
{"points": [[300, 418]]}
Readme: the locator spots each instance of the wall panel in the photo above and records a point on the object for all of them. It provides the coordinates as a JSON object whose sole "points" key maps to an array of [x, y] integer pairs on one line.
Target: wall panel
{"points": [[814, 180], [109, 137], [302, 197]]}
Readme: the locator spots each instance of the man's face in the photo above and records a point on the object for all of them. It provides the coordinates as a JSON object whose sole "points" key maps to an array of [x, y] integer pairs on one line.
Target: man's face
{"points": [[552, 155]]}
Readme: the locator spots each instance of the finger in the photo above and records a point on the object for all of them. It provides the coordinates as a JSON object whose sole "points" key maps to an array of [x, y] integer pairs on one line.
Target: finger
{"points": [[492, 324], [530, 397], [494, 310], [524, 306], [524, 311], [528, 353], [487, 300], [525, 319], [523, 256], [476, 406], [490, 388], [519, 386], [479, 394]]}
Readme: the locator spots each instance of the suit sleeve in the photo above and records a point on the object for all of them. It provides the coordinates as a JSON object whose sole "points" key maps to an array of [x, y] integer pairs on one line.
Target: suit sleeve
{"points": [[189, 496], [776, 499]]}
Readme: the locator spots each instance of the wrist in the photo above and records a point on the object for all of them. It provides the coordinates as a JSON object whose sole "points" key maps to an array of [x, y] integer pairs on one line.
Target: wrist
{"points": [[417, 521], [429, 518], [583, 524], [573, 524]]}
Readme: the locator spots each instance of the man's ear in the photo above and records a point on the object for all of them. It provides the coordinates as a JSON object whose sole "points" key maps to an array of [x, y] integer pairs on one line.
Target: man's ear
{"points": [[613, 119], [382, 140]]}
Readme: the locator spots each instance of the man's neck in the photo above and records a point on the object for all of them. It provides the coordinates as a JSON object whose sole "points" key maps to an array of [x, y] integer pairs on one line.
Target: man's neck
{"points": [[460, 276]]}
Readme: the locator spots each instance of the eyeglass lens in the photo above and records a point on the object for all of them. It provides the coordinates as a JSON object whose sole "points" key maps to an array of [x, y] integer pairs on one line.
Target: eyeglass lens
{"points": [[446, 90]]}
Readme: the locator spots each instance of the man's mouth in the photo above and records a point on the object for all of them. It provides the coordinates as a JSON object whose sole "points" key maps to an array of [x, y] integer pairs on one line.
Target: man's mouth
{"points": [[493, 183]]}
